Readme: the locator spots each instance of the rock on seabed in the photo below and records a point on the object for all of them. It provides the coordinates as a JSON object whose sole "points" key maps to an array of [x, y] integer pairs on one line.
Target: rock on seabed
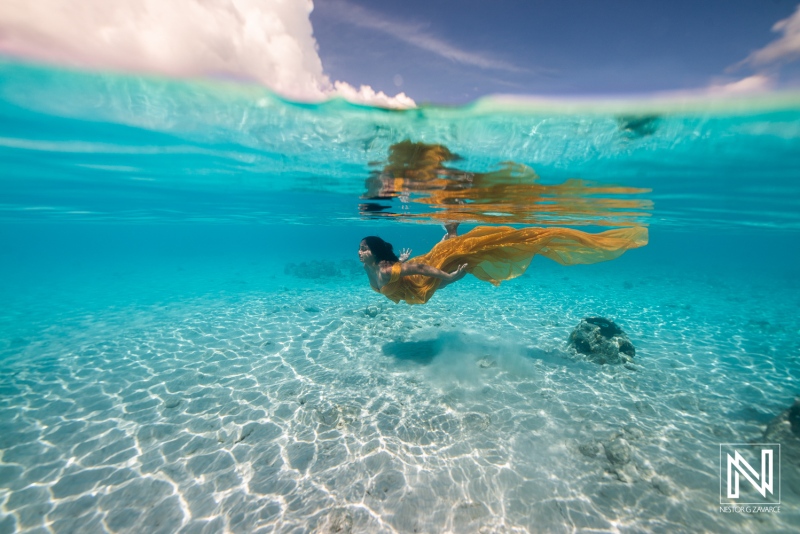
{"points": [[602, 341]]}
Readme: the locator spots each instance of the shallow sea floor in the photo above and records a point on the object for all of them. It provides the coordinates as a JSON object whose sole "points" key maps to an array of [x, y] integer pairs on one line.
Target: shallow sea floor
{"points": [[283, 404]]}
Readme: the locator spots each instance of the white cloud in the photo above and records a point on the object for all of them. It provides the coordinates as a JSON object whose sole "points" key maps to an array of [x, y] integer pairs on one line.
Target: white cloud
{"points": [[784, 48], [415, 35], [268, 41], [367, 95], [752, 84]]}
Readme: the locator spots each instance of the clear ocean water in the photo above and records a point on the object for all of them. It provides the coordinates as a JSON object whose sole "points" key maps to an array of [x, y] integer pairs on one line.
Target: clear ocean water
{"points": [[188, 344]]}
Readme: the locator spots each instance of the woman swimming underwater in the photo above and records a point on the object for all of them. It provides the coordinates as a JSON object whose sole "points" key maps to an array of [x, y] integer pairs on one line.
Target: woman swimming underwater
{"points": [[492, 254]]}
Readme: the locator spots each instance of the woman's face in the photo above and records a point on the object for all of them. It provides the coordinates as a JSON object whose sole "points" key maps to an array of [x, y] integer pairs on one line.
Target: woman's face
{"points": [[365, 254]]}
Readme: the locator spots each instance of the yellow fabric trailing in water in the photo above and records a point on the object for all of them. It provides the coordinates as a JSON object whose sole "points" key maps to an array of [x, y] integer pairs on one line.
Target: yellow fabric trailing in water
{"points": [[497, 253]]}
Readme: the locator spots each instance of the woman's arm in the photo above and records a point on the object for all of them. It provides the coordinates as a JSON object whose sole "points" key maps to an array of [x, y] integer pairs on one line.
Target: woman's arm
{"points": [[426, 270]]}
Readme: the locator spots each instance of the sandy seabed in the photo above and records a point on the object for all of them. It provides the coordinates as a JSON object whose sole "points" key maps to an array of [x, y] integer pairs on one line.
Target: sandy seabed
{"points": [[320, 406]]}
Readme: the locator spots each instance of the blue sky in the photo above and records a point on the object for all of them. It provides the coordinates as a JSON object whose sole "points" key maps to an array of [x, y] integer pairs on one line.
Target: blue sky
{"points": [[448, 51]]}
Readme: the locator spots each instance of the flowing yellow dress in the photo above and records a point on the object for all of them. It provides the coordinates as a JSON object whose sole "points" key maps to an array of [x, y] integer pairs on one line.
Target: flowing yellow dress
{"points": [[497, 253]]}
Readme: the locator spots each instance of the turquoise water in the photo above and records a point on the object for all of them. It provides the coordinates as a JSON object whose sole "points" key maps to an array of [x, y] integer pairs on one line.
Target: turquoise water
{"points": [[188, 344]]}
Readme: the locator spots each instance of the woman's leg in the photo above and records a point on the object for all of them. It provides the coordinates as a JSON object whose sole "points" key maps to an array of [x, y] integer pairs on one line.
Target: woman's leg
{"points": [[452, 231]]}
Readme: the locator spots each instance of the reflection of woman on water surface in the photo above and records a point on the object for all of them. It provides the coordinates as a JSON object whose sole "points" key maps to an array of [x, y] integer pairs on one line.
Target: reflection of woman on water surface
{"points": [[423, 174], [492, 254]]}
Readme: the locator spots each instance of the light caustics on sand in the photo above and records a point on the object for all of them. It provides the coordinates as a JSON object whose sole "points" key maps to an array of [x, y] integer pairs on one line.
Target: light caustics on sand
{"points": [[286, 408]]}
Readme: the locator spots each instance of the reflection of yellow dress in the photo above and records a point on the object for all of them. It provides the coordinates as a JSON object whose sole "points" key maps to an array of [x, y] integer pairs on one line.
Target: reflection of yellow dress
{"points": [[497, 253]]}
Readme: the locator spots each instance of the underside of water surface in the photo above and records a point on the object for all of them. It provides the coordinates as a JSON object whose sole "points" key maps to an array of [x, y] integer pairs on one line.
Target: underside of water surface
{"points": [[189, 344]]}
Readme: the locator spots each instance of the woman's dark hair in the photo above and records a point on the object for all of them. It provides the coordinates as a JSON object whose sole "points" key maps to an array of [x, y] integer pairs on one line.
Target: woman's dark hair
{"points": [[382, 250]]}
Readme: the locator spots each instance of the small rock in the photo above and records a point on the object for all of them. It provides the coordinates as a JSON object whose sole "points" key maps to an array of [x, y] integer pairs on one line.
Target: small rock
{"points": [[341, 522], [602, 341], [589, 449], [663, 485], [618, 451], [625, 473], [633, 433], [486, 362], [372, 311]]}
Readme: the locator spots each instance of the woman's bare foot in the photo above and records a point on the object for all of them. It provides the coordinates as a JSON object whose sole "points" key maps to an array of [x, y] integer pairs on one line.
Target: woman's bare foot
{"points": [[452, 231]]}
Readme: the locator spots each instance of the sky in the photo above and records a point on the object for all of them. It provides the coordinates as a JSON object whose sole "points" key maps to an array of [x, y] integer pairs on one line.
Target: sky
{"points": [[398, 54], [454, 51]]}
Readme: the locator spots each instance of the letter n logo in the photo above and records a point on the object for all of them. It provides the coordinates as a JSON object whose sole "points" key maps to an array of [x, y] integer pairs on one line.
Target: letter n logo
{"points": [[736, 468]]}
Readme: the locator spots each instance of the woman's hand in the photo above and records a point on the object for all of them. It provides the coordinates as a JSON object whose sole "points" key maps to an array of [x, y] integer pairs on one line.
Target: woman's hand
{"points": [[408, 269], [404, 254], [459, 273]]}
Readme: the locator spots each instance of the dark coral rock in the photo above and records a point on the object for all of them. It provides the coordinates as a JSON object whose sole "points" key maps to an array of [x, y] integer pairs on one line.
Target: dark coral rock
{"points": [[602, 341]]}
